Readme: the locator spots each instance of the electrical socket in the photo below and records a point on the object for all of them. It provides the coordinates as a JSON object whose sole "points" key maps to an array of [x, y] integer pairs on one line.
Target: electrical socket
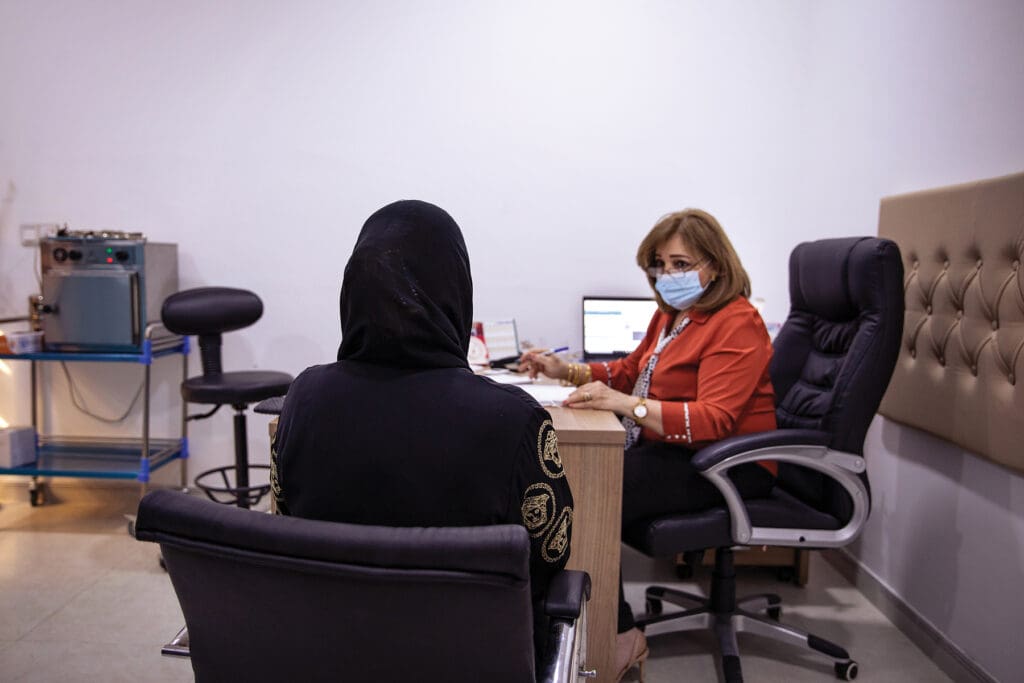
{"points": [[31, 233]]}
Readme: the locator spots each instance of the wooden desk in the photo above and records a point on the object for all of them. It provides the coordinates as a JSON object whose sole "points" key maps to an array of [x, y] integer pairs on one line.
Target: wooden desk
{"points": [[590, 444]]}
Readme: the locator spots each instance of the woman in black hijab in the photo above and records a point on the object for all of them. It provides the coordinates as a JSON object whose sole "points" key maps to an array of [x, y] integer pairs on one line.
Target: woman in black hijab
{"points": [[399, 431]]}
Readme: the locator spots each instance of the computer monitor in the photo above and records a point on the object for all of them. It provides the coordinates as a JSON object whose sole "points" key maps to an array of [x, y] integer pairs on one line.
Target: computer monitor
{"points": [[613, 326]]}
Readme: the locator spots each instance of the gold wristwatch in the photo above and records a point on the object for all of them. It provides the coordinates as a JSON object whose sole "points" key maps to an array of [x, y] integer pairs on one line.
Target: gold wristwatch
{"points": [[640, 409]]}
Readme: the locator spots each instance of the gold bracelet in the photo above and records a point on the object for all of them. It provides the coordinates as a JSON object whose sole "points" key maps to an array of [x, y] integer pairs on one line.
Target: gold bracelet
{"points": [[579, 374]]}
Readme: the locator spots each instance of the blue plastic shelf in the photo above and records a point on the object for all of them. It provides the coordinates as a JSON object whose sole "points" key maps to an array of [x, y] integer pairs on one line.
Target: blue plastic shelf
{"points": [[100, 458], [144, 357], [105, 458]]}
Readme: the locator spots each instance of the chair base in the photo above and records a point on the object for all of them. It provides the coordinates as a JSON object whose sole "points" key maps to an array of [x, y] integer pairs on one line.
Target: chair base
{"points": [[243, 496], [241, 493], [723, 614], [178, 647]]}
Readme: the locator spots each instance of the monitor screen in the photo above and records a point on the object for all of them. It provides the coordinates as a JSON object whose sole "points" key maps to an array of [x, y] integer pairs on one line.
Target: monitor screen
{"points": [[613, 326]]}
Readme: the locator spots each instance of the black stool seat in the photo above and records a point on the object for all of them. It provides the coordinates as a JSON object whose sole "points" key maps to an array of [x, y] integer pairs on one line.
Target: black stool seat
{"points": [[235, 388]]}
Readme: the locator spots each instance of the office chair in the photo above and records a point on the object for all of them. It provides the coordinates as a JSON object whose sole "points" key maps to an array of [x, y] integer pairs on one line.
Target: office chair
{"points": [[274, 598], [208, 312], [832, 362]]}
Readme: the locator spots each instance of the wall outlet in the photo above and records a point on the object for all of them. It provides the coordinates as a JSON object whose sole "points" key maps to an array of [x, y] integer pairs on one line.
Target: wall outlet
{"points": [[31, 233]]}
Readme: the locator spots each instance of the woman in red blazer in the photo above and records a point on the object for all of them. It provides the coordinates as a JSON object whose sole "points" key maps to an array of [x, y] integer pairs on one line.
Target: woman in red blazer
{"points": [[699, 375]]}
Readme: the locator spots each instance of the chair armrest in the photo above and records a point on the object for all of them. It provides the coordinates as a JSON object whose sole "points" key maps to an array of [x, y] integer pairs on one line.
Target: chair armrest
{"points": [[802, 447], [567, 592], [720, 450], [566, 605]]}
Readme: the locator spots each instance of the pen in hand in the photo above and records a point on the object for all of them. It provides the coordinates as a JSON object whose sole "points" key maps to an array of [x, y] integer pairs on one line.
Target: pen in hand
{"points": [[536, 361]]}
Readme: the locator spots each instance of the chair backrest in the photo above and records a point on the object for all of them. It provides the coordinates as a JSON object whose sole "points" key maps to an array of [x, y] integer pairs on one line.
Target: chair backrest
{"points": [[836, 351], [272, 598], [207, 312]]}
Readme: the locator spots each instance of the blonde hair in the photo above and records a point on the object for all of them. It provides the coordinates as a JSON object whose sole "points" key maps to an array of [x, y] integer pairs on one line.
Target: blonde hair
{"points": [[701, 233]]}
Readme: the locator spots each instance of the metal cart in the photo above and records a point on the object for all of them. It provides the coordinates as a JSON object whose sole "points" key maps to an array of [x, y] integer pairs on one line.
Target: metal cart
{"points": [[99, 457]]}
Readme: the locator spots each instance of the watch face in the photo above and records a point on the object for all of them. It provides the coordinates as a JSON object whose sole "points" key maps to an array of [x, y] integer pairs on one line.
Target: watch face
{"points": [[640, 411]]}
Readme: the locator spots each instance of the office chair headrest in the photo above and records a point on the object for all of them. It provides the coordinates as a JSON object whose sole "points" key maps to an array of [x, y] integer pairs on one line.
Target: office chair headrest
{"points": [[210, 310], [835, 279]]}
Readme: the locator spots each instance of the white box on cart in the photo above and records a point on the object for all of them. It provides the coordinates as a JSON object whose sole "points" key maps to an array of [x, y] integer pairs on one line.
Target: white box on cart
{"points": [[17, 446]]}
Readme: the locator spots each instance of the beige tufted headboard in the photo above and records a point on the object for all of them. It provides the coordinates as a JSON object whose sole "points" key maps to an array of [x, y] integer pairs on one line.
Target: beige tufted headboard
{"points": [[960, 373]]}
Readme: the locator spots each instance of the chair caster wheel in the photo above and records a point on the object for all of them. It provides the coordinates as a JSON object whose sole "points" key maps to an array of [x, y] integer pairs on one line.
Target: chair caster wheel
{"points": [[653, 606], [775, 613], [846, 671], [36, 496]]}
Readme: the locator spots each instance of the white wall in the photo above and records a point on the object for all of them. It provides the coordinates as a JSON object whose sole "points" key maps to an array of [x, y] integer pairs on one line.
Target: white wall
{"points": [[260, 135]]}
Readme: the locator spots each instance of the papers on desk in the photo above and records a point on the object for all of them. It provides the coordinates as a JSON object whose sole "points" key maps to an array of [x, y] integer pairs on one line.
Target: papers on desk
{"points": [[545, 393], [548, 394], [507, 377]]}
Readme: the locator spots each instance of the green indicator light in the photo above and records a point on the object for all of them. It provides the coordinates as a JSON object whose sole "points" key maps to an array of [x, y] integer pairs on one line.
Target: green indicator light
{"points": [[110, 250]]}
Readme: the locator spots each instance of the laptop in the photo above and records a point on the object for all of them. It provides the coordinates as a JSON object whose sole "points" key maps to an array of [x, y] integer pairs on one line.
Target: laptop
{"points": [[614, 326]]}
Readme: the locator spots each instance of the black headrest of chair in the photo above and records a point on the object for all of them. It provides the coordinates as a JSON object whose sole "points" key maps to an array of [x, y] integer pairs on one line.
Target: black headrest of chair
{"points": [[819, 278], [836, 279], [210, 310]]}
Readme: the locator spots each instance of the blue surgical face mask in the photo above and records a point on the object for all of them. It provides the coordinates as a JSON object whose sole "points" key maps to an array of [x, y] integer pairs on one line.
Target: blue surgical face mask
{"points": [[680, 291]]}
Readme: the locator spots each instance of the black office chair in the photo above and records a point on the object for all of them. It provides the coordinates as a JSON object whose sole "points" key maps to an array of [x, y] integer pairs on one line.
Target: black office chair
{"points": [[832, 363], [274, 598], [208, 312]]}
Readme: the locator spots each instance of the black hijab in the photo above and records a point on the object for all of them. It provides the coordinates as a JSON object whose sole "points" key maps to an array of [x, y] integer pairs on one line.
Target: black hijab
{"points": [[407, 295]]}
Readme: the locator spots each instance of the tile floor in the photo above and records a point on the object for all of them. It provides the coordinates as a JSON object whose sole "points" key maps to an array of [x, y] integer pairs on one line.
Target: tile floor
{"points": [[80, 600]]}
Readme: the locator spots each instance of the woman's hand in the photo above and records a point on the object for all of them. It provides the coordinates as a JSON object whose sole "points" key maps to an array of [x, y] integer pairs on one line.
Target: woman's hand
{"points": [[534, 361], [599, 396]]}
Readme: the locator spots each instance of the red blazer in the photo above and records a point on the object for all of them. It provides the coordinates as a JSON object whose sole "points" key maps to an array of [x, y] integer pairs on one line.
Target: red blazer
{"points": [[712, 379]]}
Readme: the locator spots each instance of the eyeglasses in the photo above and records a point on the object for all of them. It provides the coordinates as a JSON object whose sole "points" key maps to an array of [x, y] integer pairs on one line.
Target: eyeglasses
{"points": [[678, 267]]}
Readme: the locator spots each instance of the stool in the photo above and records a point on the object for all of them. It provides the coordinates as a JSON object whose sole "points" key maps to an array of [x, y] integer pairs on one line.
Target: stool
{"points": [[208, 312]]}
